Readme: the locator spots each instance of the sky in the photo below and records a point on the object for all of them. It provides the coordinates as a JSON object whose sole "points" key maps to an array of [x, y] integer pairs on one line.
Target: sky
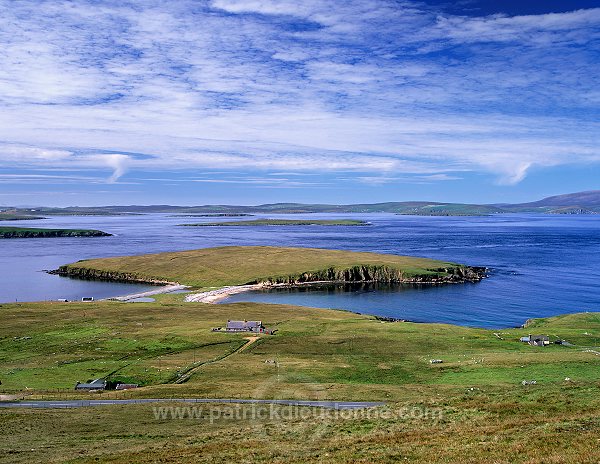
{"points": [[196, 102]]}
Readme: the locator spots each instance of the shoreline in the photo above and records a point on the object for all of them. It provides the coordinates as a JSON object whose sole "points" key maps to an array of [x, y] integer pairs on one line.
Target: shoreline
{"points": [[133, 296], [215, 296]]}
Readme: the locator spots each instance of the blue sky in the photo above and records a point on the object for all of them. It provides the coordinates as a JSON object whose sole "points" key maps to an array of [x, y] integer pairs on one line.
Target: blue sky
{"points": [[259, 101]]}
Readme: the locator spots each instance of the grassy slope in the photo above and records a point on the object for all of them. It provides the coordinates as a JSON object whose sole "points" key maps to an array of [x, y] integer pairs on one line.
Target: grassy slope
{"points": [[358, 355], [33, 232], [283, 222], [322, 354], [216, 267]]}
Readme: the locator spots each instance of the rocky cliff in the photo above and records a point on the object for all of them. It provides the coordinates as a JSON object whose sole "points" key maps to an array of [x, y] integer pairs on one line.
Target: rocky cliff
{"points": [[381, 274]]}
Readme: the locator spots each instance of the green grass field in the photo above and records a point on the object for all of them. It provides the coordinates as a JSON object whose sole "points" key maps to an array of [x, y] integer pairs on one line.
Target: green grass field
{"points": [[52, 345], [218, 267], [282, 222], [480, 409]]}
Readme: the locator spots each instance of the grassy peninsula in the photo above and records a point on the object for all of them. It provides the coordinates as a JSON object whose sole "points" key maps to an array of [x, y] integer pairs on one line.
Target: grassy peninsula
{"points": [[283, 222], [470, 408], [22, 232], [224, 266]]}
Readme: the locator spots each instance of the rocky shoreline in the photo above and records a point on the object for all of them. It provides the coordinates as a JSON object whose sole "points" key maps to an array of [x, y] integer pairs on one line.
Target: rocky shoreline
{"points": [[217, 295], [84, 273], [381, 274]]}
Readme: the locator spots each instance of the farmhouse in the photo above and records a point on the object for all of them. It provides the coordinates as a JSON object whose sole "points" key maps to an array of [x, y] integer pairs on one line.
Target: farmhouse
{"points": [[245, 326], [536, 340]]}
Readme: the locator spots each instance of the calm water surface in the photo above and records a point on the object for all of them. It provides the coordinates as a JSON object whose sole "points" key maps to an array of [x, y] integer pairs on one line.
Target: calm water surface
{"points": [[540, 265]]}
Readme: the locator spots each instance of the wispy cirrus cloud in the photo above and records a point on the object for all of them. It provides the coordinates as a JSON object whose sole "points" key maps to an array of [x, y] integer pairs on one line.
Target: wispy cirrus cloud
{"points": [[384, 89]]}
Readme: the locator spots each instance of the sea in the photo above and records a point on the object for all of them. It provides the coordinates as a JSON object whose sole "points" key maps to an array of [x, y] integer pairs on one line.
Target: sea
{"points": [[539, 265]]}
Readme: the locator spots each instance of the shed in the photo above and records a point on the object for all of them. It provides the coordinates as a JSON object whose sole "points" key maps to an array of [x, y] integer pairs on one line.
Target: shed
{"points": [[126, 386], [98, 384]]}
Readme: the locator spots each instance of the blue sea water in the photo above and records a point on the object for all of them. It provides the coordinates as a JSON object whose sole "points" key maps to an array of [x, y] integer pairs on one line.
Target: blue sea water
{"points": [[540, 265]]}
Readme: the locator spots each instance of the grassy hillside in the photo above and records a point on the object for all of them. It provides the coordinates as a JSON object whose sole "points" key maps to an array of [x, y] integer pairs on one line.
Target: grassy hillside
{"points": [[22, 232], [283, 222], [52, 345], [470, 408], [216, 267]]}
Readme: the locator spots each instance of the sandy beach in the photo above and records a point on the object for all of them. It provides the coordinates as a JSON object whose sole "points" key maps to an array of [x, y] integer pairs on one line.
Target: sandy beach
{"points": [[158, 291], [214, 296]]}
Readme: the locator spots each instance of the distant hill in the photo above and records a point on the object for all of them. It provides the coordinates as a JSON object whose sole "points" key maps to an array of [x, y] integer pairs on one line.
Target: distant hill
{"points": [[573, 203], [589, 199]]}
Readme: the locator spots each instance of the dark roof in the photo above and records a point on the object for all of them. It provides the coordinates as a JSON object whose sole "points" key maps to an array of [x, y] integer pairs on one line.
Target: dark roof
{"points": [[93, 385], [126, 386], [244, 324]]}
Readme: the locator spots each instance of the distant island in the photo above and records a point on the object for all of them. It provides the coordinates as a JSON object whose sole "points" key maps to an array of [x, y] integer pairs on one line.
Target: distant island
{"points": [[573, 203], [211, 215], [18, 217], [21, 232], [282, 222]]}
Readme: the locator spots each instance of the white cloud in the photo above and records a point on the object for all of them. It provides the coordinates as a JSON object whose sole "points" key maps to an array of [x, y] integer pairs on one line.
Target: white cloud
{"points": [[333, 86], [118, 163]]}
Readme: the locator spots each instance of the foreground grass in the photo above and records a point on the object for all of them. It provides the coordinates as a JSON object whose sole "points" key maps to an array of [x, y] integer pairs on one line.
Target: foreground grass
{"points": [[471, 408], [217, 267], [283, 222], [557, 425]]}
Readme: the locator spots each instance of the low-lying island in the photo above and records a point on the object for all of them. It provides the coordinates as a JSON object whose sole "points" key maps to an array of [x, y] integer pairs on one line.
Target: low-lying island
{"points": [[214, 268], [32, 232]]}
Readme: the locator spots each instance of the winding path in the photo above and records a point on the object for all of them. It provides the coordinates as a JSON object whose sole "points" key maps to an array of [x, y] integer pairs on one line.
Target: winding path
{"points": [[188, 374]]}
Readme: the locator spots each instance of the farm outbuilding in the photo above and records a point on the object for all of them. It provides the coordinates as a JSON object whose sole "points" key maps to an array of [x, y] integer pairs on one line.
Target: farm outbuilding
{"points": [[98, 384]]}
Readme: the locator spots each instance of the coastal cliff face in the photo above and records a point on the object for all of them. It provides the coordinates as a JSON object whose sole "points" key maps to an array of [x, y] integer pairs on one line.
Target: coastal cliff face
{"points": [[86, 273], [381, 274], [358, 273]]}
